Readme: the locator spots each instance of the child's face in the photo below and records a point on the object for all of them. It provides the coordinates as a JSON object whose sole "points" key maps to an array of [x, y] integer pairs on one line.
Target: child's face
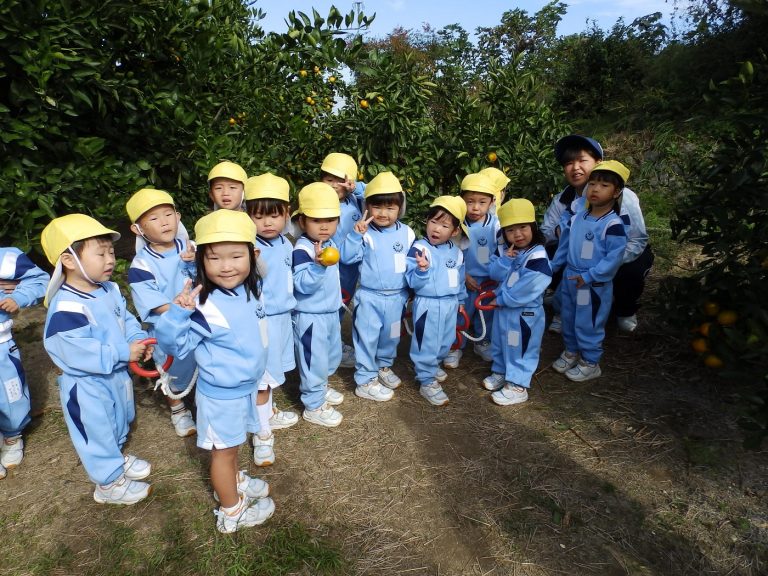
{"points": [[478, 205], [440, 229], [226, 193], [227, 264], [601, 193], [519, 235], [270, 226], [577, 171], [384, 215], [97, 259], [318, 229], [340, 185], [159, 225]]}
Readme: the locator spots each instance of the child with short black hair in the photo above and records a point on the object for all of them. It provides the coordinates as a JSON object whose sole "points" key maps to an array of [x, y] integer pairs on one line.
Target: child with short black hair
{"points": [[226, 186]]}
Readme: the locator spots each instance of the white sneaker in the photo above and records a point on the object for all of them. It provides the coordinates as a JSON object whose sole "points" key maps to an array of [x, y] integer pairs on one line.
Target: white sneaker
{"points": [[263, 450], [122, 491], [244, 516], [583, 371], [136, 468], [347, 356], [493, 382], [627, 323], [453, 358], [434, 394], [374, 391], [483, 349], [249, 488], [282, 418], [441, 375], [556, 325], [565, 361], [326, 415], [333, 397], [389, 379], [510, 394], [11, 452], [183, 423]]}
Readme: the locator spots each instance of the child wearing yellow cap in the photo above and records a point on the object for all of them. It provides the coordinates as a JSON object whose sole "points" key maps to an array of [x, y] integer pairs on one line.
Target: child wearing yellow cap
{"points": [[435, 272], [226, 186], [164, 261], [223, 323], [316, 324], [91, 337]]}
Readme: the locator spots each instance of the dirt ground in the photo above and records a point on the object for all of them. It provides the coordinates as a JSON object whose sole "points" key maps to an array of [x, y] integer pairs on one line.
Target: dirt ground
{"points": [[640, 472]]}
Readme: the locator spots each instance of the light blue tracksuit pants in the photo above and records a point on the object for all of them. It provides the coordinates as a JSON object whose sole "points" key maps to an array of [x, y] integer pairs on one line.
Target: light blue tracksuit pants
{"points": [[434, 331], [317, 340], [14, 392], [584, 314], [516, 343]]}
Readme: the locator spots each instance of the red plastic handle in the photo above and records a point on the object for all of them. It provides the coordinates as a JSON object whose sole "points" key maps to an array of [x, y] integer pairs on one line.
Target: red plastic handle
{"points": [[464, 325], [345, 296], [486, 295], [488, 285], [139, 371]]}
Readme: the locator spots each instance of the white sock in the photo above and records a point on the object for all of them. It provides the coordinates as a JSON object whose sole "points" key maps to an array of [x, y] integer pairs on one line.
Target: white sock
{"points": [[265, 413]]}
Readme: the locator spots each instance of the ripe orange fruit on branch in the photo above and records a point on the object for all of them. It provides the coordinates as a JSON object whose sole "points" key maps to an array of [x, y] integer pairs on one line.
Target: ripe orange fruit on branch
{"points": [[363, 103], [727, 318], [328, 256], [711, 308], [492, 157], [712, 361], [700, 345]]}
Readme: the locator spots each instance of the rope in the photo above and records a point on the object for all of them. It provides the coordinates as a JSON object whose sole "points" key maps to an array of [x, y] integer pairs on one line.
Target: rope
{"points": [[164, 383]]}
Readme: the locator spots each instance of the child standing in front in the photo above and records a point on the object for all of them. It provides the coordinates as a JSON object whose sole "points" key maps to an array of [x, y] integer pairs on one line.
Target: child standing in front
{"points": [[266, 202], [91, 337], [523, 273], [379, 244], [316, 324], [164, 261], [222, 322], [591, 247], [226, 186], [435, 272], [29, 284], [479, 194]]}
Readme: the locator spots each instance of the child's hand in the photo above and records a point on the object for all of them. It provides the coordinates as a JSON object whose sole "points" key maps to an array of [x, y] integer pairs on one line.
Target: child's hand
{"points": [[187, 298], [138, 351], [189, 254], [8, 286], [421, 260], [472, 284], [347, 186], [361, 226], [148, 353], [578, 279], [461, 308], [511, 252], [9, 305]]}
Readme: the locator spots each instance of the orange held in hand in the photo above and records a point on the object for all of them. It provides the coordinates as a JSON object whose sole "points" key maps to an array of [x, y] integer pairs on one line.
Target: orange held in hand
{"points": [[329, 256]]}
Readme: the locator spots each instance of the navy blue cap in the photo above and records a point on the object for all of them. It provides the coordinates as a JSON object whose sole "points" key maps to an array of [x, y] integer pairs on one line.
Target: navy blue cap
{"points": [[579, 142]]}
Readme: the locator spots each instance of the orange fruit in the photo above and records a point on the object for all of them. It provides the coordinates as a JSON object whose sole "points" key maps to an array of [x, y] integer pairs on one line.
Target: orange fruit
{"points": [[363, 103], [712, 361], [711, 308], [331, 79], [492, 157], [309, 100], [232, 121], [704, 328], [303, 73], [727, 318], [328, 256], [700, 345]]}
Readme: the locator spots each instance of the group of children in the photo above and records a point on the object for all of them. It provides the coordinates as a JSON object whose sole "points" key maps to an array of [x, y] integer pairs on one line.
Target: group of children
{"points": [[242, 305]]}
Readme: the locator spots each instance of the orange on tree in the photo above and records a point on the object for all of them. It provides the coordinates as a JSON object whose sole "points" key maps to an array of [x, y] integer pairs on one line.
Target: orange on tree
{"points": [[492, 157], [331, 79], [712, 361], [727, 318], [232, 121], [704, 328], [328, 256], [711, 308], [303, 73], [363, 103], [700, 345]]}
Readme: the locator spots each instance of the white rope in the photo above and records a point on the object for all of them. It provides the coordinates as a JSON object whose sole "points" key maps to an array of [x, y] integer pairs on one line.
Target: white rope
{"points": [[482, 331], [164, 383]]}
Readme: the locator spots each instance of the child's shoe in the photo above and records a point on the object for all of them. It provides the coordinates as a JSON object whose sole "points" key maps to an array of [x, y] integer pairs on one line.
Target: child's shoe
{"points": [[3, 472], [347, 356], [136, 468], [556, 325], [326, 415], [122, 491], [333, 397], [627, 323], [183, 423], [583, 371], [374, 391], [441, 375], [388, 378], [483, 349], [248, 488], [453, 358], [282, 418], [434, 394], [493, 382], [510, 394], [12, 452], [263, 449], [244, 515], [565, 361]]}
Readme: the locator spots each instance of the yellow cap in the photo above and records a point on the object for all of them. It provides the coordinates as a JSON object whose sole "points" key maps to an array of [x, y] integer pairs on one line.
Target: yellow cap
{"points": [[613, 166], [318, 200], [516, 211], [455, 206], [225, 226], [228, 170], [340, 165], [267, 186], [497, 178], [383, 183], [144, 200], [62, 232], [478, 183]]}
